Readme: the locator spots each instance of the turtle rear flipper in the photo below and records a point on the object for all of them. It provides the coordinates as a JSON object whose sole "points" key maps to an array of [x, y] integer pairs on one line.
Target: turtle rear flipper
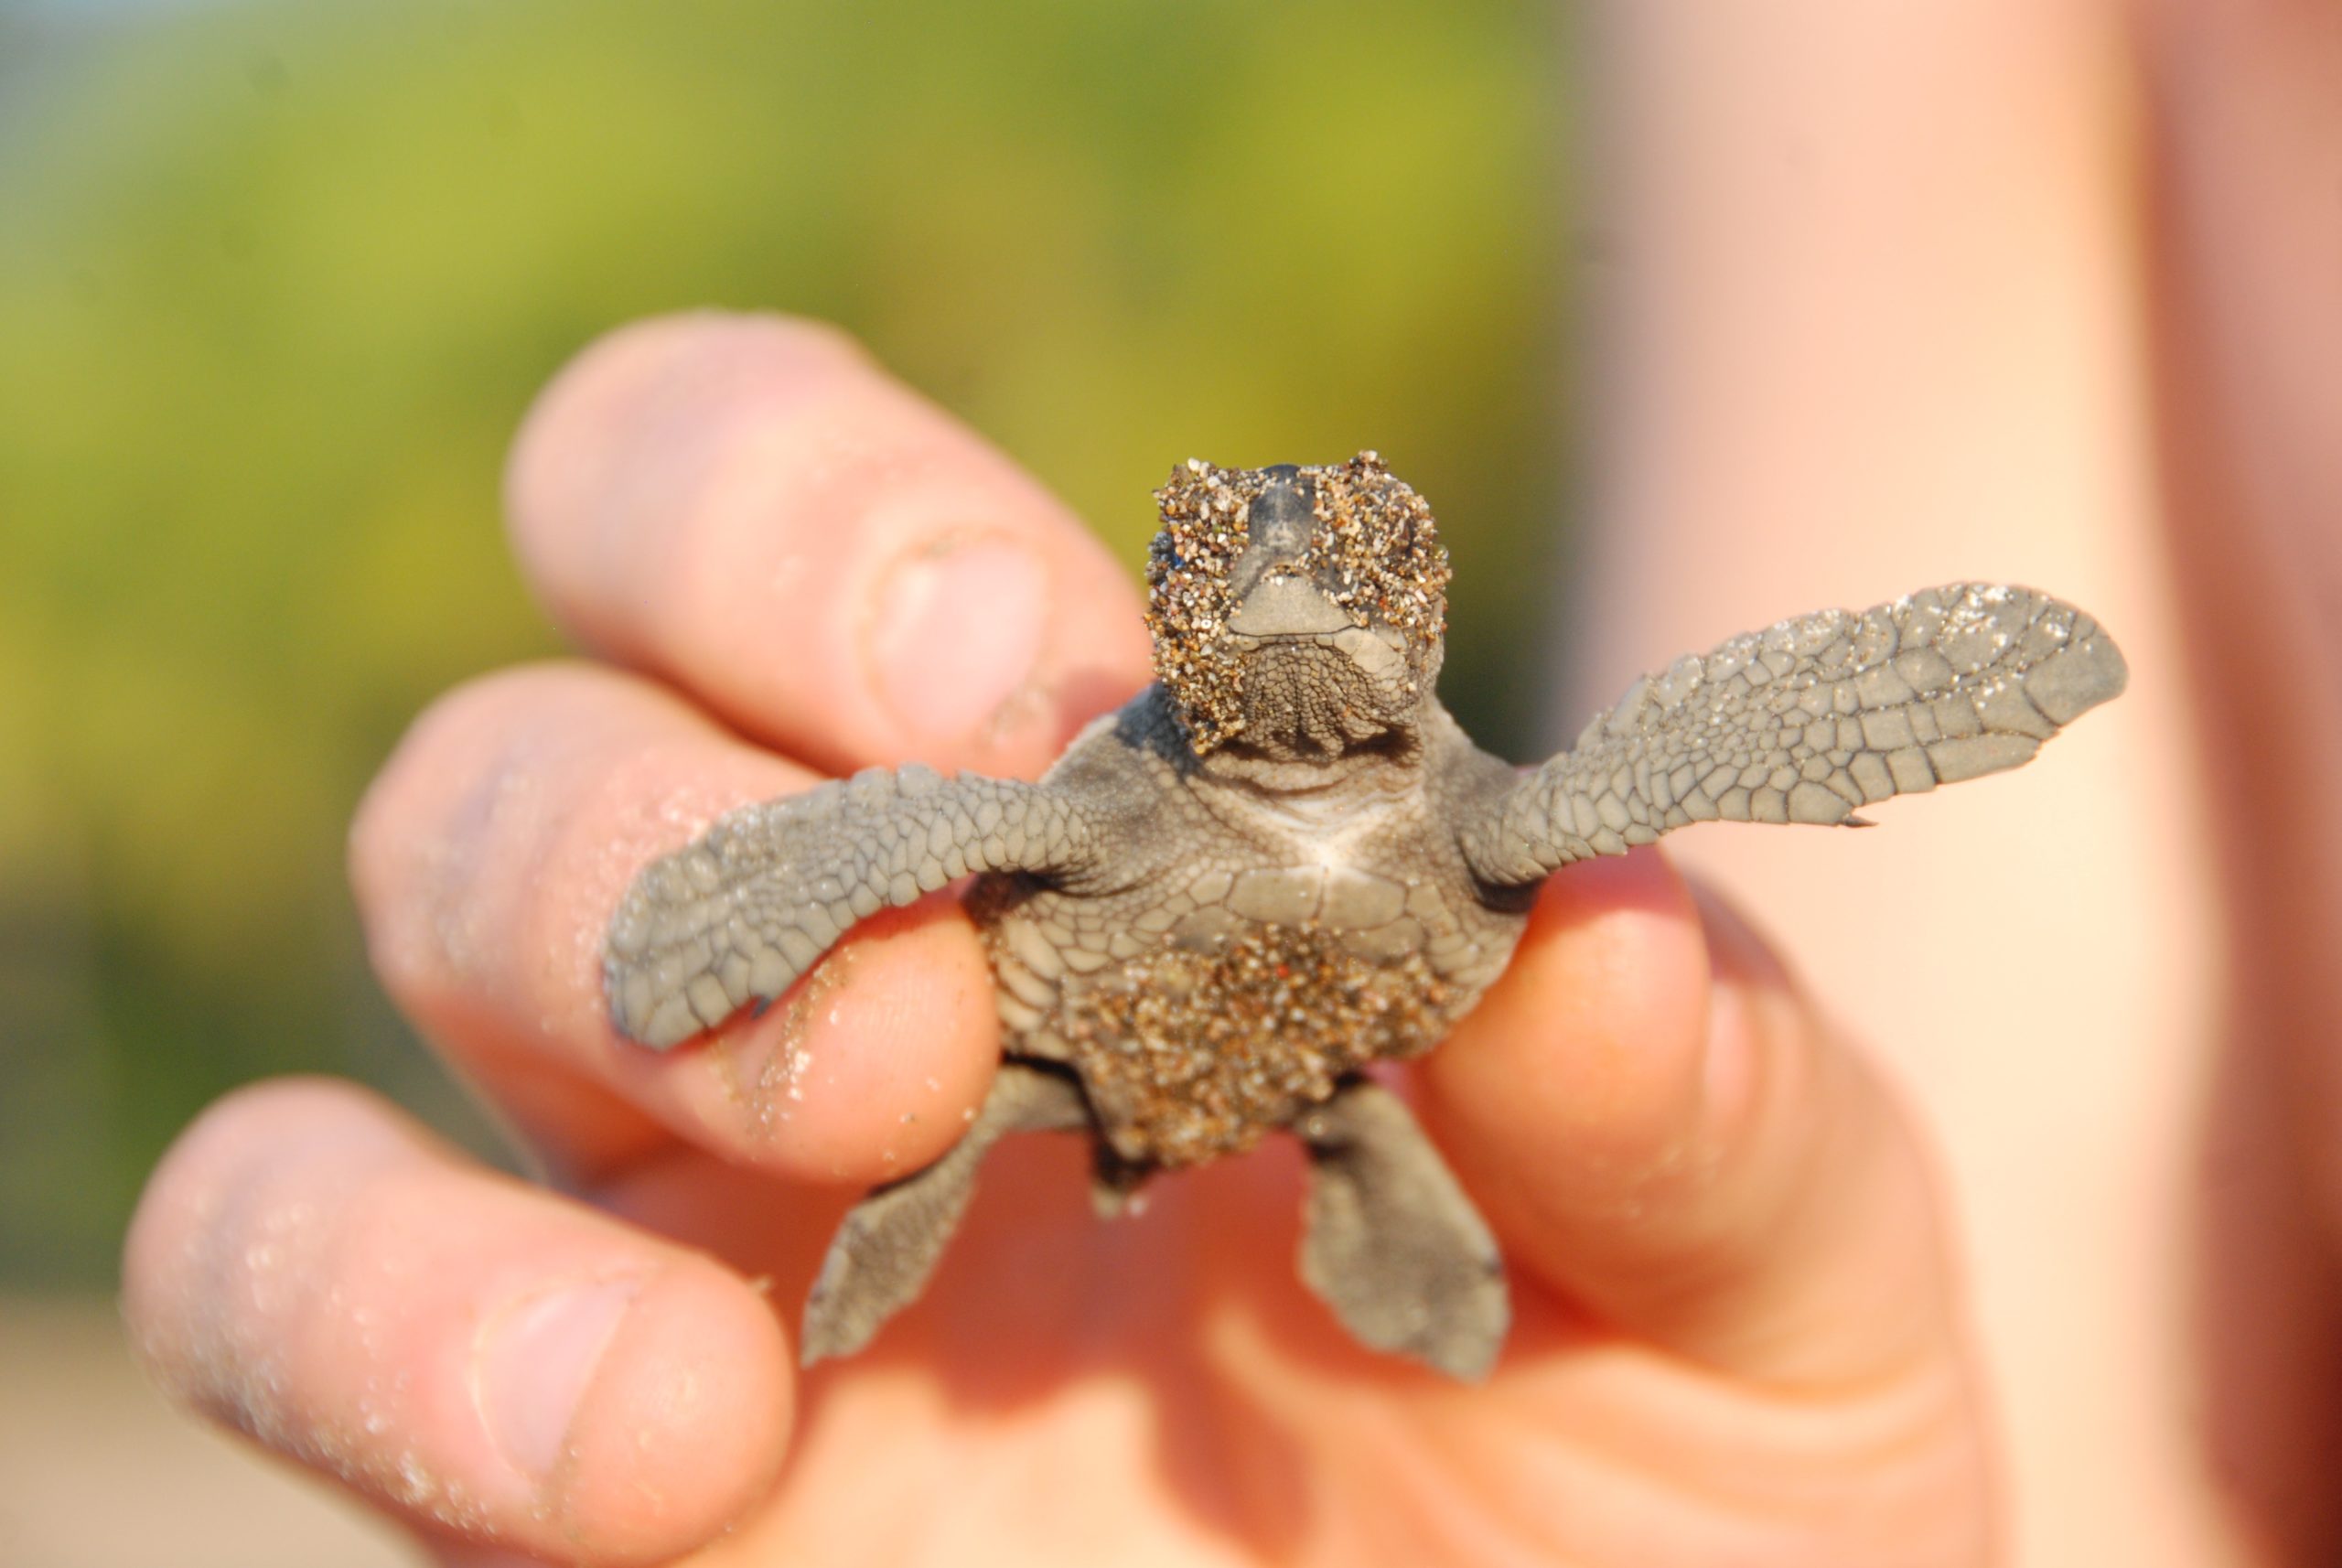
{"points": [[890, 1242], [1392, 1243]]}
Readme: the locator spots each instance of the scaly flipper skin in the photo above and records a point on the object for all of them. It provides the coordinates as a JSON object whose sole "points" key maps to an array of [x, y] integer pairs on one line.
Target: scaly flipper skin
{"points": [[1810, 720], [749, 907], [1392, 1243], [890, 1242], [1286, 860]]}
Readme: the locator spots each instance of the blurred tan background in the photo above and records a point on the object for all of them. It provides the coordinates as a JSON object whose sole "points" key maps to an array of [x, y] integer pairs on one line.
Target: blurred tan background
{"points": [[277, 282]]}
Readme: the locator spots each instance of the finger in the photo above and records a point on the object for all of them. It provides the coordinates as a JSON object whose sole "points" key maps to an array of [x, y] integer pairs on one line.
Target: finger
{"points": [[749, 507], [478, 1357], [1664, 1130], [487, 859]]}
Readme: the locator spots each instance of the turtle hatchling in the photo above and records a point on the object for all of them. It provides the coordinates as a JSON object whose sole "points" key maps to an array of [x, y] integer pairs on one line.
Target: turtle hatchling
{"points": [[1284, 861]]}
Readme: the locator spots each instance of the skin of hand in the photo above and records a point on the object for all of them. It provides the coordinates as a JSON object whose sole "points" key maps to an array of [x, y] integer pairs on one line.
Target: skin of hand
{"points": [[1894, 293], [1739, 1337]]}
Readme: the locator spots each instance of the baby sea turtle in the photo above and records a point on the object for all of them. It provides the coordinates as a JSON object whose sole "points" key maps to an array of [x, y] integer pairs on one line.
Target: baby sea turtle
{"points": [[1284, 860]]}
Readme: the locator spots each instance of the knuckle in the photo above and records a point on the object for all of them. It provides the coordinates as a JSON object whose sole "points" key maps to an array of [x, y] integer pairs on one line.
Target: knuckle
{"points": [[690, 345], [218, 1182], [433, 797], [408, 811], [256, 1134], [687, 371], [424, 827], [803, 338], [238, 1249], [626, 460]]}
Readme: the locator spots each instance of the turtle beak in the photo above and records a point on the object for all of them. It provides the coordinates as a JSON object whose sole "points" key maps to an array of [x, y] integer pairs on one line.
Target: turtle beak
{"points": [[1284, 605]]}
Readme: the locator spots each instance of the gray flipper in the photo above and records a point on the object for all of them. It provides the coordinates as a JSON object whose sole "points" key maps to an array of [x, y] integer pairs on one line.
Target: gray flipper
{"points": [[751, 905], [1392, 1243], [1807, 721], [890, 1242]]}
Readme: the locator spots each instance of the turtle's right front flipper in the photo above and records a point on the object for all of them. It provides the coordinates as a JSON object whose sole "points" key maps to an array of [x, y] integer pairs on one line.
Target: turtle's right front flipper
{"points": [[752, 904]]}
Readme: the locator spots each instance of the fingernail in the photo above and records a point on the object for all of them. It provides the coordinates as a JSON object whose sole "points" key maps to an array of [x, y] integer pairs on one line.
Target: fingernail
{"points": [[534, 1364], [956, 632]]}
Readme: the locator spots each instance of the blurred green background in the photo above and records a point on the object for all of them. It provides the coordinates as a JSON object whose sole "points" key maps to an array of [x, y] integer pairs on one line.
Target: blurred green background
{"points": [[276, 283]]}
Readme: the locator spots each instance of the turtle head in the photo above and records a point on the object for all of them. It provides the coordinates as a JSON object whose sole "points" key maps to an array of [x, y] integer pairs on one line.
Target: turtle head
{"points": [[1297, 612]]}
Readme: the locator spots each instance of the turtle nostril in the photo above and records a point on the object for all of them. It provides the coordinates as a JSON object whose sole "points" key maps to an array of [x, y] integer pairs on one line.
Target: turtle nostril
{"points": [[1282, 515]]}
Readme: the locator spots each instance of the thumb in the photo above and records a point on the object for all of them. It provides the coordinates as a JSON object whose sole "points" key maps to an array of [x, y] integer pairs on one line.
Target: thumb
{"points": [[1667, 1133]]}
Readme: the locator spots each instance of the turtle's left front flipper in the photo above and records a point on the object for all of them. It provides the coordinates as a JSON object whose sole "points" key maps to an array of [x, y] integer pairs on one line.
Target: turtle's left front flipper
{"points": [[1807, 721]]}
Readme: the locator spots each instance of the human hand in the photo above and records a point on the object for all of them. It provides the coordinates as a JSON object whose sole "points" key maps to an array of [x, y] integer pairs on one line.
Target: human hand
{"points": [[1737, 1338]]}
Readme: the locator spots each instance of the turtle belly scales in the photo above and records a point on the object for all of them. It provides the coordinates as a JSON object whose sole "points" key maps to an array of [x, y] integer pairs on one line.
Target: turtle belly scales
{"points": [[1200, 1017]]}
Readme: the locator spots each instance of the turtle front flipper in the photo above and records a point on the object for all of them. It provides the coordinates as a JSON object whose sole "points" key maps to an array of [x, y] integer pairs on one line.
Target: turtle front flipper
{"points": [[1807, 722], [751, 905], [890, 1242], [1391, 1241]]}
